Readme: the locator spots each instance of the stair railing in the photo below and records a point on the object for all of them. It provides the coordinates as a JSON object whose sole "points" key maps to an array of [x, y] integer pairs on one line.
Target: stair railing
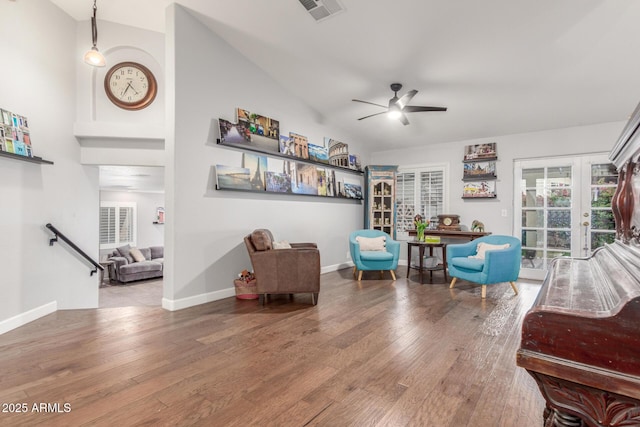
{"points": [[57, 234]]}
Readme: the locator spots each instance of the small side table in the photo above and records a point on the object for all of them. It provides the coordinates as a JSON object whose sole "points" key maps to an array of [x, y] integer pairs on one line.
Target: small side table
{"points": [[107, 265], [421, 247]]}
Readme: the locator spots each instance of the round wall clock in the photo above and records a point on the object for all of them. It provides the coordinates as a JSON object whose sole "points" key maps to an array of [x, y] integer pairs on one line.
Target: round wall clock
{"points": [[130, 85]]}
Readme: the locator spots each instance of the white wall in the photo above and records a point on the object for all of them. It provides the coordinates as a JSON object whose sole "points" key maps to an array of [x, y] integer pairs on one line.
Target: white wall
{"points": [[559, 142], [207, 226], [38, 42], [148, 233]]}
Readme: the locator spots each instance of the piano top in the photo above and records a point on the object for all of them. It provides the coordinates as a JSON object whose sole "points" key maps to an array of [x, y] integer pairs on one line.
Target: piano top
{"points": [[585, 322]]}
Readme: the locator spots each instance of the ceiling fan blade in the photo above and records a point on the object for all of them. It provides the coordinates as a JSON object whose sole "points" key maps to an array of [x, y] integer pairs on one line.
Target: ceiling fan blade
{"points": [[367, 102], [403, 119], [371, 115], [404, 99], [416, 108]]}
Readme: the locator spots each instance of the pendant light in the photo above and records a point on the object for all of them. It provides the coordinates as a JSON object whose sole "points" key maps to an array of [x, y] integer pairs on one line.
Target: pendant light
{"points": [[93, 56]]}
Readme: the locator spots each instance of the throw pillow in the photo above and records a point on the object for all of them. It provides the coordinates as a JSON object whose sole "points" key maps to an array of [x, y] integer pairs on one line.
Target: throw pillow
{"points": [[124, 252], [371, 243], [484, 247], [261, 239], [281, 245], [136, 255]]}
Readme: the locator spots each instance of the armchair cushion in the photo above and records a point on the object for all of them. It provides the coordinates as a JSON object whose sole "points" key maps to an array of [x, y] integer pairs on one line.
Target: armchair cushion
{"points": [[468, 263], [376, 255], [371, 243]]}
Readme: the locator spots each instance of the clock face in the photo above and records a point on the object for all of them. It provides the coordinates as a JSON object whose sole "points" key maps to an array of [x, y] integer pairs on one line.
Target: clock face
{"points": [[130, 85], [447, 221]]}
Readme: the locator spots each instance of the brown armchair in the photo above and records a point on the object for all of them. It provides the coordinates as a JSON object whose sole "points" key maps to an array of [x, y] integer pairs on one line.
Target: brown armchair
{"points": [[283, 271]]}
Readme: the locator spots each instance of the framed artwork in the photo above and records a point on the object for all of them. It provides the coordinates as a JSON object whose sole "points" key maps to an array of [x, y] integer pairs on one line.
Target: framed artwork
{"points": [[479, 170], [232, 133], [331, 183], [338, 152], [259, 125], [278, 182], [318, 153], [232, 177], [479, 152], [353, 191], [257, 166], [300, 145], [160, 215], [305, 179], [479, 190], [286, 146], [322, 182]]}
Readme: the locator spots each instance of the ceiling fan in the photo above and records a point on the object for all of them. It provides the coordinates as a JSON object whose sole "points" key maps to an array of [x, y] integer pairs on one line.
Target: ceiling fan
{"points": [[398, 106]]}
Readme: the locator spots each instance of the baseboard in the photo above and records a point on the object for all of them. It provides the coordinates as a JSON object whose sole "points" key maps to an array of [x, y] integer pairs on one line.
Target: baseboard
{"points": [[179, 304], [27, 317], [336, 267]]}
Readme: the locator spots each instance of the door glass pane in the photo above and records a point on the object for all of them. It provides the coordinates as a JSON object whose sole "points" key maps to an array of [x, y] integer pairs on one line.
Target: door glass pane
{"points": [[532, 238], [559, 197], [602, 220], [559, 176], [604, 174], [559, 218], [601, 196], [559, 239], [532, 218], [601, 238]]}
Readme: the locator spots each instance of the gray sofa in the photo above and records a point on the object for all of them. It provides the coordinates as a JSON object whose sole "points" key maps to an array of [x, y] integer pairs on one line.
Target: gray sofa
{"points": [[127, 269]]}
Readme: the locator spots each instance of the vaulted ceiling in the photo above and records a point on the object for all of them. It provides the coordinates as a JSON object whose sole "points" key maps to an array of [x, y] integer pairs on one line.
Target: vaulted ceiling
{"points": [[499, 66]]}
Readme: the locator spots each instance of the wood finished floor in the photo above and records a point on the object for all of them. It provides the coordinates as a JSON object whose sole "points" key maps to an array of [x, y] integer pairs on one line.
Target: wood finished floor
{"points": [[379, 353]]}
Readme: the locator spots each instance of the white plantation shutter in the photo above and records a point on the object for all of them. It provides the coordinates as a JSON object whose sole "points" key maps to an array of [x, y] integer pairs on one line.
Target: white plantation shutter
{"points": [[107, 225], [125, 222], [117, 224], [405, 202], [425, 196], [431, 193]]}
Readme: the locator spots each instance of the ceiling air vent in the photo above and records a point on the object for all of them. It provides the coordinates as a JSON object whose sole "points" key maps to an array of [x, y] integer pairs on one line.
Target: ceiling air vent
{"points": [[322, 9]]}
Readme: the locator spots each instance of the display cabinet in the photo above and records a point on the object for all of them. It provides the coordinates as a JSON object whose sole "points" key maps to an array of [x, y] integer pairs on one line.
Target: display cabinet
{"points": [[380, 198]]}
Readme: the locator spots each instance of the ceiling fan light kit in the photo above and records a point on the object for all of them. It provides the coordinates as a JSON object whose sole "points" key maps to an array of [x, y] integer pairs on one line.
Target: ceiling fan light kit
{"points": [[398, 107]]}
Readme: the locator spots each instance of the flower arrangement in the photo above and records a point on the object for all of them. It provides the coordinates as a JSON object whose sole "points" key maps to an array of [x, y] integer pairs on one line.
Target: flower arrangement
{"points": [[420, 225]]}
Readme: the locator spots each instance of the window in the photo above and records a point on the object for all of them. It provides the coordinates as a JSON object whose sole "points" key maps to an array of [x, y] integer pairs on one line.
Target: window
{"points": [[117, 224], [419, 190]]}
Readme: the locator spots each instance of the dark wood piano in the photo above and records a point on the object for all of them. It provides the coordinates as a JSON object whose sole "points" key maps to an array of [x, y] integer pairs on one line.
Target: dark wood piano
{"points": [[581, 339]]}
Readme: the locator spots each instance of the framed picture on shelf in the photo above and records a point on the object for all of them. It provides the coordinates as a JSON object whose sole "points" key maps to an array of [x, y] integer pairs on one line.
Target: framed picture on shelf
{"points": [[257, 165], [278, 182], [479, 190], [305, 179], [300, 145], [265, 131], [232, 177], [318, 153], [479, 170], [338, 152], [479, 152]]}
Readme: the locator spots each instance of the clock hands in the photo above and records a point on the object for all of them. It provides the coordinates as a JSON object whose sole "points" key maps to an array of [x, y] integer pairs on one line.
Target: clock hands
{"points": [[129, 86]]}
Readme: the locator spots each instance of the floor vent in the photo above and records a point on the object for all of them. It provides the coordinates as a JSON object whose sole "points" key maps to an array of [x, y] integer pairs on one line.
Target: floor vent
{"points": [[322, 9]]}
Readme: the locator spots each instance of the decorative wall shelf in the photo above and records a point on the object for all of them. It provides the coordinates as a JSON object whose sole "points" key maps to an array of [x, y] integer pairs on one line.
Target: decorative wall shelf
{"points": [[332, 198], [287, 157], [274, 154], [36, 159]]}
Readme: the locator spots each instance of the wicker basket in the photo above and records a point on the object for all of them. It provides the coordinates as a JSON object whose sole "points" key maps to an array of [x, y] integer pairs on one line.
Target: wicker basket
{"points": [[246, 290]]}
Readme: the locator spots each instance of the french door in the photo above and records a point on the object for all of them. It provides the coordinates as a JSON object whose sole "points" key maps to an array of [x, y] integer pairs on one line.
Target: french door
{"points": [[562, 208]]}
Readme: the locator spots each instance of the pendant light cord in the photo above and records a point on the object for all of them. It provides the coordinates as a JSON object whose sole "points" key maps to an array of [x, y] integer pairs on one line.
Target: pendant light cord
{"points": [[94, 27]]}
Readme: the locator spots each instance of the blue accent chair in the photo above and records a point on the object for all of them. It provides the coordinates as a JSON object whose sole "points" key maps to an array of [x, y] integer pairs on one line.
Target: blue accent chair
{"points": [[374, 260], [498, 266]]}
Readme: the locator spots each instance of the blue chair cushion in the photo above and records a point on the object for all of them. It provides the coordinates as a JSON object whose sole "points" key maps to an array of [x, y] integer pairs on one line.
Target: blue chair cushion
{"points": [[376, 256], [467, 263]]}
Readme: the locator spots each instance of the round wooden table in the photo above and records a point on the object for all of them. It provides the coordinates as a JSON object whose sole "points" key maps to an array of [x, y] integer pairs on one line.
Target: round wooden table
{"points": [[421, 248]]}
